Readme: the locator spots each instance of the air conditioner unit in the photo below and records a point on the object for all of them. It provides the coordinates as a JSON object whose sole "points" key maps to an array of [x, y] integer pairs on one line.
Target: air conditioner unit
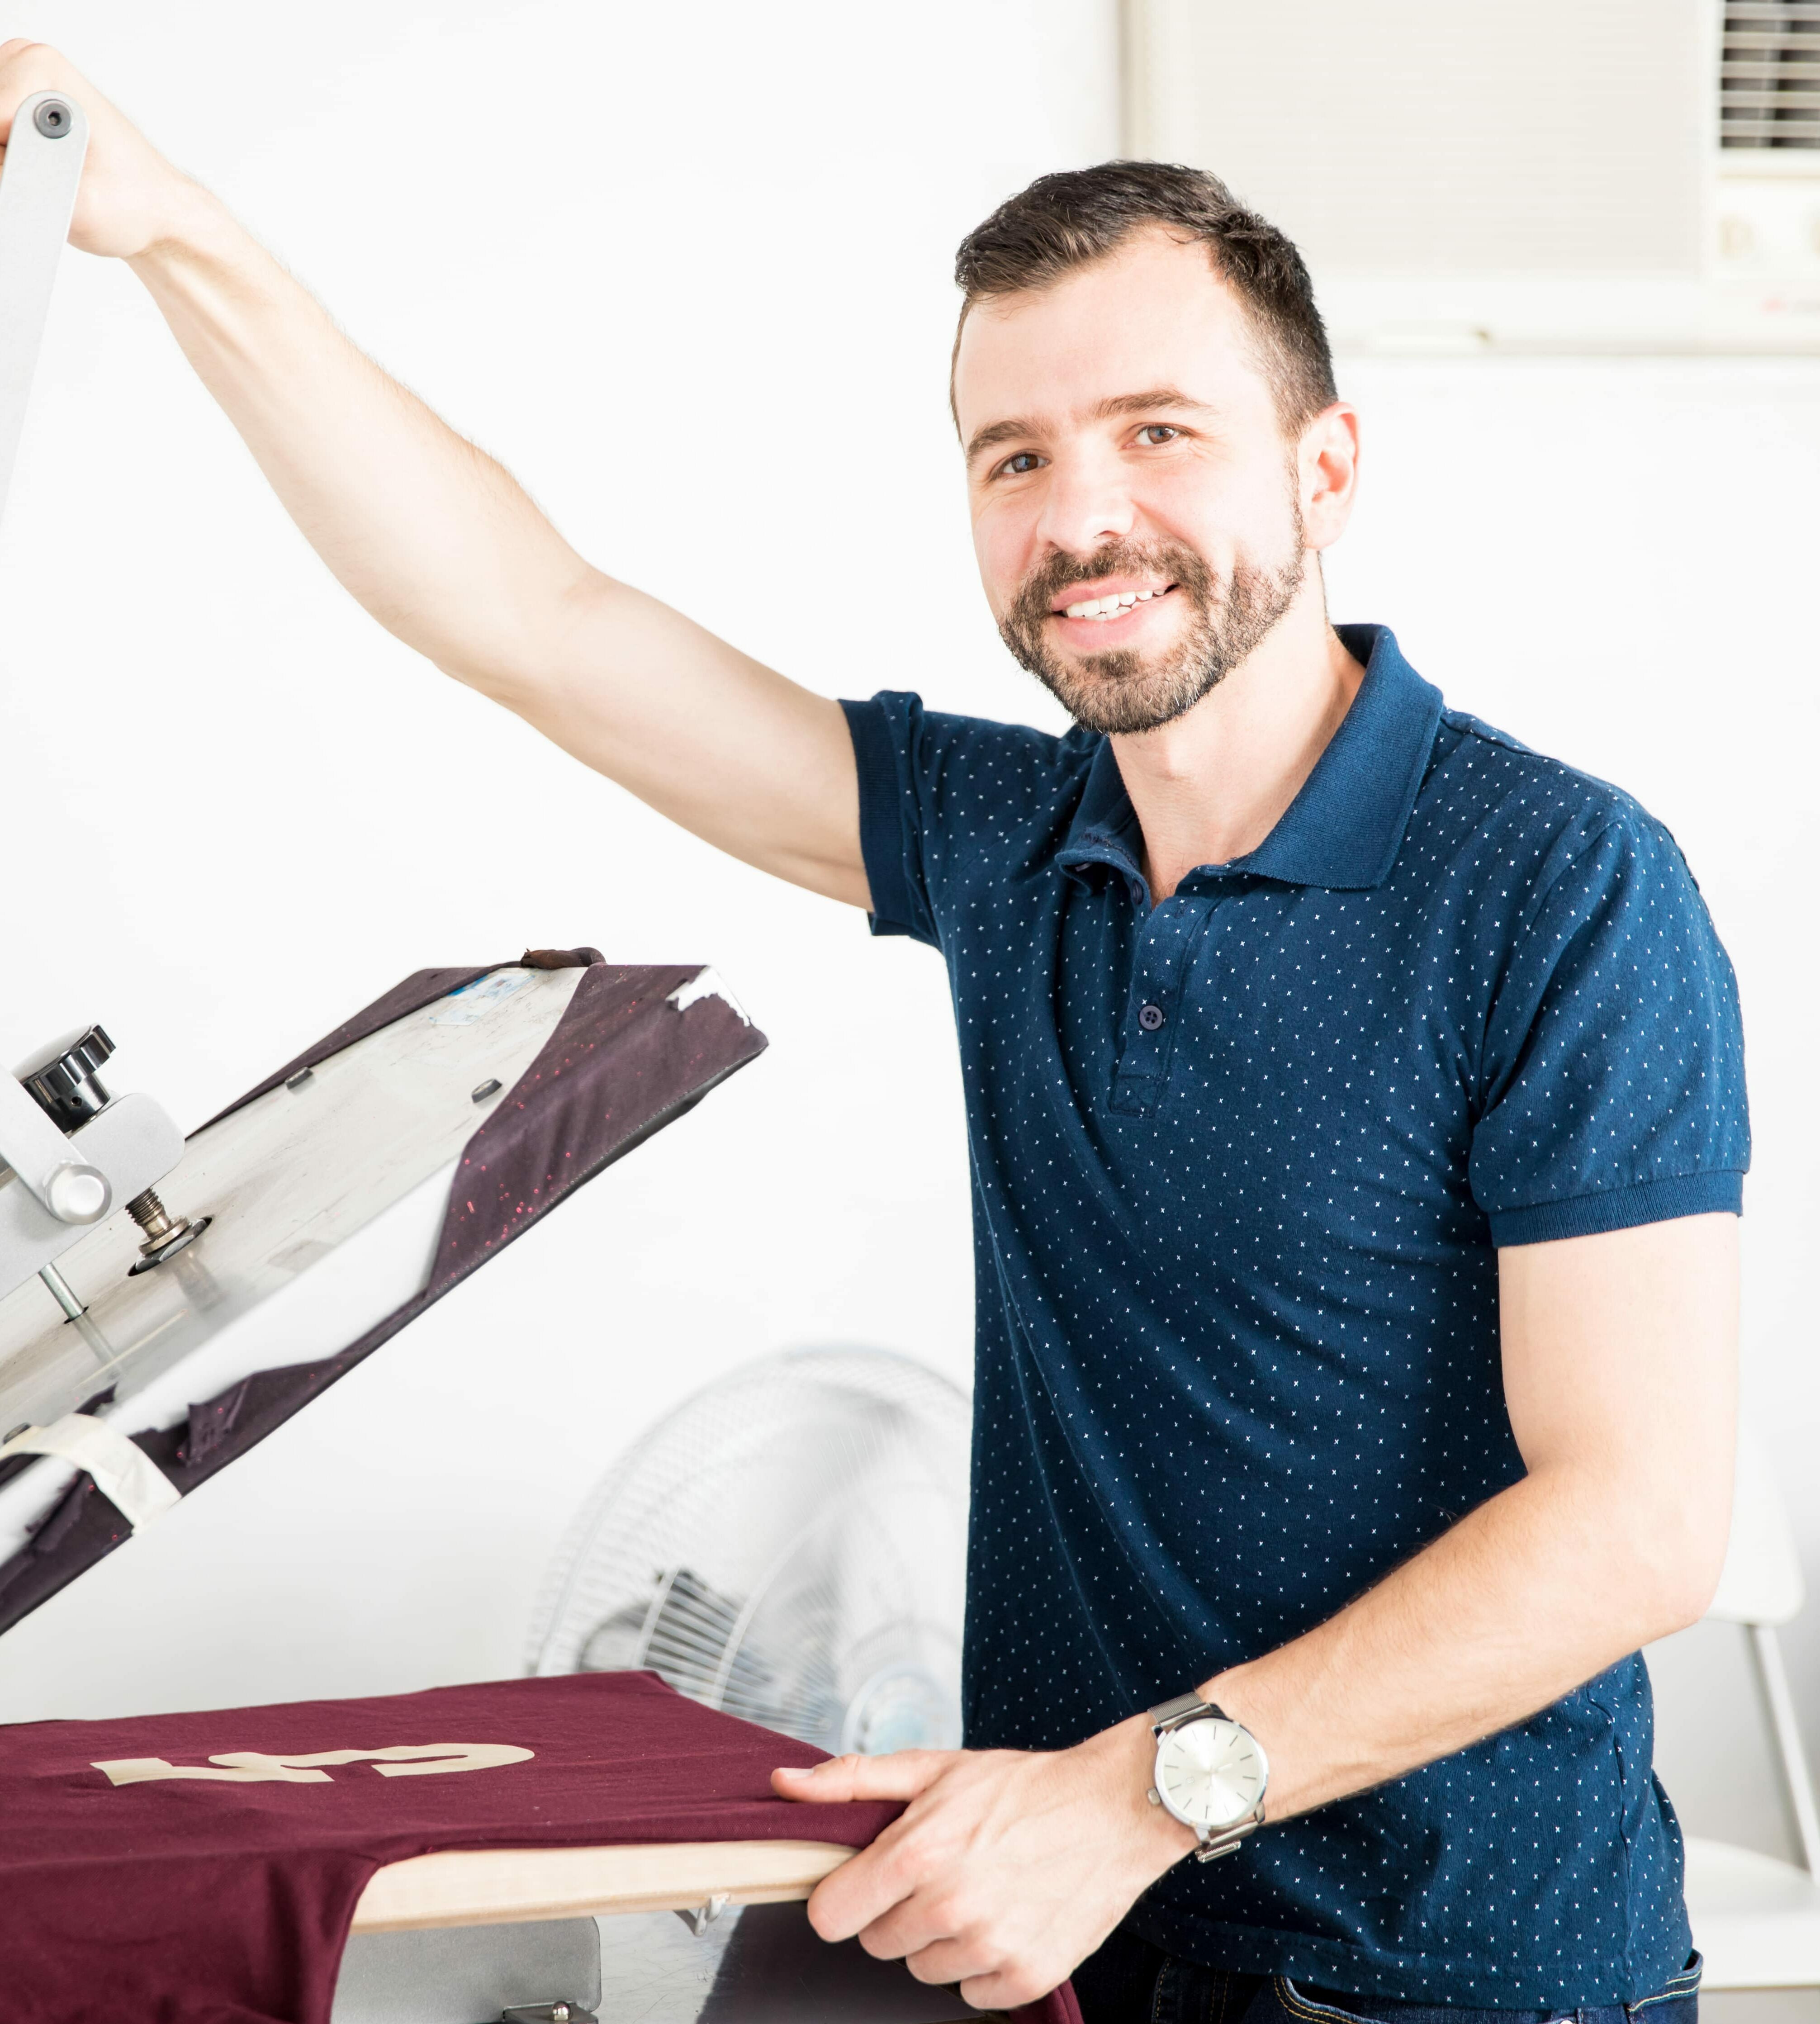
{"points": [[1559, 175]]}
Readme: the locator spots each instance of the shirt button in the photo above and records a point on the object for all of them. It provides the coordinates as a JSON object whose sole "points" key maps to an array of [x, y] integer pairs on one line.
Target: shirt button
{"points": [[1150, 1017]]}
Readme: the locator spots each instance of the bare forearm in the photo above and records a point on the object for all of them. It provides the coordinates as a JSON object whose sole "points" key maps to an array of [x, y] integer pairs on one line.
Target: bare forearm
{"points": [[439, 543], [1619, 1356], [1535, 1592], [445, 550]]}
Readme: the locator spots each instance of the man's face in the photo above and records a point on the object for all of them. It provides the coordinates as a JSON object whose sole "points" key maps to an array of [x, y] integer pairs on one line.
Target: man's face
{"points": [[1136, 508]]}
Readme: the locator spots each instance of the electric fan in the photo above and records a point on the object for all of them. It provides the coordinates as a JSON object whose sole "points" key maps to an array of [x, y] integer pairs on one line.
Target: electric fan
{"points": [[789, 1545]]}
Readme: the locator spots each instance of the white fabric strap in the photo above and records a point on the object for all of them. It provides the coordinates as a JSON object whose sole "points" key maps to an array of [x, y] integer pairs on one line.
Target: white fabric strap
{"points": [[128, 1477]]}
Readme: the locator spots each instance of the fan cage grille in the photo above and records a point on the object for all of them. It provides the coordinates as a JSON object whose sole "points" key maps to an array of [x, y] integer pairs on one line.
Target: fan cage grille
{"points": [[788, 1545]]}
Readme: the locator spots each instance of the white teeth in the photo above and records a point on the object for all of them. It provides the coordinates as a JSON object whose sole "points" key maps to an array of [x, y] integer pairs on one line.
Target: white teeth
{"points": [[1110, 607]]}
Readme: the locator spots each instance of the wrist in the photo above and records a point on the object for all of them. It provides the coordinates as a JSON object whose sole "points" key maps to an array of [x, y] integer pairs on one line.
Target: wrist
{"points": [[1123, 1760], [188, 225]]}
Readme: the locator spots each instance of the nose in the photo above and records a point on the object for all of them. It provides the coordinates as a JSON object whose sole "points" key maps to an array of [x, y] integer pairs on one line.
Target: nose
{"points": [[1086, 503]]}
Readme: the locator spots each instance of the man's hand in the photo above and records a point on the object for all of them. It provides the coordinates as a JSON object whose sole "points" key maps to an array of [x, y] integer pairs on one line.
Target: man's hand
{"points": [[1009, 1867], [131, 198]]}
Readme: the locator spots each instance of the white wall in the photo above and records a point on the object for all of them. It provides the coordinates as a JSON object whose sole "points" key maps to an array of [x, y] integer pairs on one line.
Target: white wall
{"points": [[697, 296], [687, 270]]}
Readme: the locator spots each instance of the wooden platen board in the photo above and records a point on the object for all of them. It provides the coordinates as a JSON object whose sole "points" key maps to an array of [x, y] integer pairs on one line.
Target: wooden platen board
{"points": [[504, 1887]]}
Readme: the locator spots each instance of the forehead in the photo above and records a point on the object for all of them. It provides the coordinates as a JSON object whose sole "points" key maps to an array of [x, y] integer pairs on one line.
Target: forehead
{"points": [[1152, 313]]}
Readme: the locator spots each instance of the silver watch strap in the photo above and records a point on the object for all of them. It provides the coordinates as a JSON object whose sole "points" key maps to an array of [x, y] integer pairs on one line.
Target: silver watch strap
{"points": [[1213, 1845], [1184, 1707]]}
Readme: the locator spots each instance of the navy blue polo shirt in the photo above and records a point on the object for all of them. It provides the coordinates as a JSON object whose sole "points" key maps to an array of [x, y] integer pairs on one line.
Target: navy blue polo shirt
{"points": [[1241, 1163]]}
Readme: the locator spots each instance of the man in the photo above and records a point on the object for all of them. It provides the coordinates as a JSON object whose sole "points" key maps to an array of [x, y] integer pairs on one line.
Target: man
{"points": [[1356, 1115]]}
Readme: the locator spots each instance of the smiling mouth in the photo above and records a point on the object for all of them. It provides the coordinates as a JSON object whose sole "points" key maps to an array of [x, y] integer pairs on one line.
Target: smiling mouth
{"points": [[1113, 606]]}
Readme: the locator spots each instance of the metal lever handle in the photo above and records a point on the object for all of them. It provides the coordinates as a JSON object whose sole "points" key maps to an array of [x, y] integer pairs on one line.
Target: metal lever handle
{"points": [[38, 182]]}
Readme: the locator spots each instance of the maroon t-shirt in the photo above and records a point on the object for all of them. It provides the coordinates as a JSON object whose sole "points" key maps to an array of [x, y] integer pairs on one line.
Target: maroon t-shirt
{"points": [[196, 1869]]}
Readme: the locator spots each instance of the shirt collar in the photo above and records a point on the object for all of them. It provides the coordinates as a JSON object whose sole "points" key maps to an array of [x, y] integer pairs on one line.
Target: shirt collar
{"points": [[1345, 826]]}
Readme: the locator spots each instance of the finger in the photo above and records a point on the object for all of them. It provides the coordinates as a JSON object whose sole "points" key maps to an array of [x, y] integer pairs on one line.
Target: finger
{"points": [[902, 1775], [925, 1919], [855, 1896], [949, 1962], [862, 1891], [20, 67], [1004, 1989]]}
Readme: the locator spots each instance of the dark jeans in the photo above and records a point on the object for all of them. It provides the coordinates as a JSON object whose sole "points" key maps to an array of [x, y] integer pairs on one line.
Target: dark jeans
{"points": [[1130, 1982]]}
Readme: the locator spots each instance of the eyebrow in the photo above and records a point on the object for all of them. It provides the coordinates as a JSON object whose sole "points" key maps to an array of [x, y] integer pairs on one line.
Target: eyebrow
{"points": [[1149, 401]]}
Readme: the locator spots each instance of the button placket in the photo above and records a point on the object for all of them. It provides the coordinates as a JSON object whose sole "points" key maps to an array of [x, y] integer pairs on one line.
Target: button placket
{"points": [[1147, 1040]]}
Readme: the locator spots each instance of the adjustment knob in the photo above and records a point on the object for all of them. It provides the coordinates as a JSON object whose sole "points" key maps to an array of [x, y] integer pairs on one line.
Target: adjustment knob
{"points": [[64, 1078]]}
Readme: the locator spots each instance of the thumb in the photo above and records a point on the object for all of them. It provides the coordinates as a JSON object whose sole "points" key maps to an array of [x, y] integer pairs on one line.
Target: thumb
{"points": [[901, 1774]]}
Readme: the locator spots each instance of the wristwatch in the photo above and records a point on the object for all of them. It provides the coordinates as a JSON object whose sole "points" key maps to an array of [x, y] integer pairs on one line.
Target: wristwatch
{"points": [[1211, 1774]]}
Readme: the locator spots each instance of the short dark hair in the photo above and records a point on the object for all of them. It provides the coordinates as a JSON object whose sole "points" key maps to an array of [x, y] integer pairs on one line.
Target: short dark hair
{"points": [[1077, 216]]}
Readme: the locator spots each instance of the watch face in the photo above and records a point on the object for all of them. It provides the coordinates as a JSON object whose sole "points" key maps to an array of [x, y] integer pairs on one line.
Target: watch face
{"points": [[1210, 1773]]}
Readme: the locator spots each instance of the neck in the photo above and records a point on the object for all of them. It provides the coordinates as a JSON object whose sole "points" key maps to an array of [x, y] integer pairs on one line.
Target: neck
{"points": [[1211, 786]]}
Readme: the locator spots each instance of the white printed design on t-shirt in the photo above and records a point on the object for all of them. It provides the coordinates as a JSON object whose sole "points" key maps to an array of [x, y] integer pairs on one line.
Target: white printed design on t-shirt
{"points": [[254, 1767]]}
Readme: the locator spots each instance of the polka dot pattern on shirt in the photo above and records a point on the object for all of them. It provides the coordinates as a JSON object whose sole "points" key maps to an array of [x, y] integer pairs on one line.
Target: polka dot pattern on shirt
{"points": [[1241, 1165]]}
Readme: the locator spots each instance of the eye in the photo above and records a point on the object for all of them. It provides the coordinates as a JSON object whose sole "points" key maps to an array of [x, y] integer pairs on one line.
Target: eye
{"points": [[1020, 465], [1155, 433]]}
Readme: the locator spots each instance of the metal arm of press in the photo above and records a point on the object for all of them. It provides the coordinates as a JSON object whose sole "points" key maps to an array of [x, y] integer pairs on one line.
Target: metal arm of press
{"points": [[68, 1166], [38, 182]]}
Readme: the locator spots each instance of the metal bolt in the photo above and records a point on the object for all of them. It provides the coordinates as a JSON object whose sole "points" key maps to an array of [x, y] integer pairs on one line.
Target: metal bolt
{"points": [[152, 1216], [165, 1234], [52, 119]]}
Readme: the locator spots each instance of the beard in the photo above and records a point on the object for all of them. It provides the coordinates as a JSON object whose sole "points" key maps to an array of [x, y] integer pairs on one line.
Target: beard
{"points": [[1123, 692]]}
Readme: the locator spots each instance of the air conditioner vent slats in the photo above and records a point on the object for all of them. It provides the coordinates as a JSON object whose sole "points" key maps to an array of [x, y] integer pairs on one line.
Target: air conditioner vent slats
{"points": [[1768, 75]]}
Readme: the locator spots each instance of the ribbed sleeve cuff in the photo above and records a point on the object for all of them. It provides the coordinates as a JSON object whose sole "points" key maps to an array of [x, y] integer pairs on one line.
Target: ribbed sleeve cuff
{"points": [[881, 817], [1620, 1208]]}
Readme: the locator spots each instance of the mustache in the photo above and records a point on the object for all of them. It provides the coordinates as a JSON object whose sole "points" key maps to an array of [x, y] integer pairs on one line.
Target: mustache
{"points": [[1037, 594]]}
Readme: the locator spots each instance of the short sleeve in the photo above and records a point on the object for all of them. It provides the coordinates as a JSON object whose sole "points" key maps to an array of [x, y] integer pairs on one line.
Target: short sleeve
{"points": [[950, 804], [887, 731], [1612, 1087]]}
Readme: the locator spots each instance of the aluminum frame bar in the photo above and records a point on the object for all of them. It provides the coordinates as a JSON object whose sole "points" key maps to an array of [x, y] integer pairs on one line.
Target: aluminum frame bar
{"points": [[38, 182]]}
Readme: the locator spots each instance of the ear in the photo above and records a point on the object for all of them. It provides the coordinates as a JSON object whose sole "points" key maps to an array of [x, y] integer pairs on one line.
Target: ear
{"points": [[1327, 471]]}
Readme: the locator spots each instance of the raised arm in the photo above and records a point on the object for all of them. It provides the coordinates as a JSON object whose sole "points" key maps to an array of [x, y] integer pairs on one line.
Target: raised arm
{"points": [[445, 549]]}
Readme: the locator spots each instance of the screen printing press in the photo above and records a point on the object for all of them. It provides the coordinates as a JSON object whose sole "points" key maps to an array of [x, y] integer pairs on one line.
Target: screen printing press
{"points": [[166, 1303]]}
